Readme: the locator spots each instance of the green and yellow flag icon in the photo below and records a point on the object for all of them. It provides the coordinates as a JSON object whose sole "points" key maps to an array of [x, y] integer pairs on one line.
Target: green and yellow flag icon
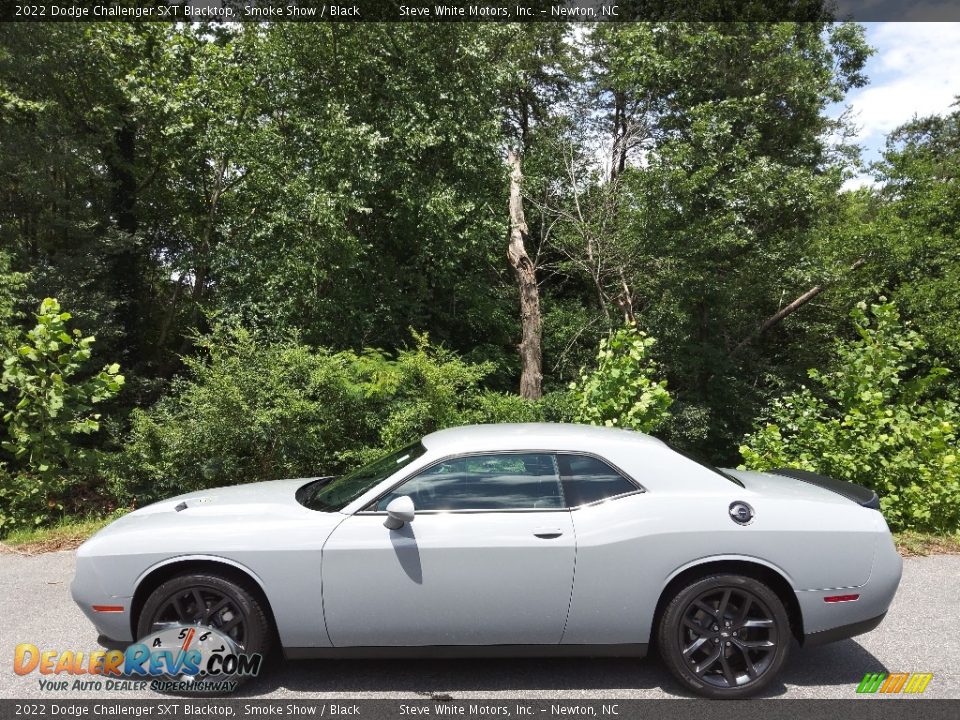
{"points": [[894, 683]]}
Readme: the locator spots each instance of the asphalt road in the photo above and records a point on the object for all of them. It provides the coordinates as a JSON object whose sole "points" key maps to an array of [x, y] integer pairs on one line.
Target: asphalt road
{"points": [[918, 635]]}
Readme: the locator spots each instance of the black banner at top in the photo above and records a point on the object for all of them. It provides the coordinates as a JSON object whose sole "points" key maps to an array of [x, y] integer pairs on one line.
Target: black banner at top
{"points": [[480, 11]]}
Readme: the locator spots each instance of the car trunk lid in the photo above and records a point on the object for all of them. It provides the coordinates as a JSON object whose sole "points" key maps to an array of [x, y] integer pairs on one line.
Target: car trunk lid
{"points": [[789, 481]]}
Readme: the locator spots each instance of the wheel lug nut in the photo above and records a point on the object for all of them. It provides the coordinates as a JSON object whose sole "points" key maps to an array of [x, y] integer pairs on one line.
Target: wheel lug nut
{"points": [[715, 627], [728, 644]]}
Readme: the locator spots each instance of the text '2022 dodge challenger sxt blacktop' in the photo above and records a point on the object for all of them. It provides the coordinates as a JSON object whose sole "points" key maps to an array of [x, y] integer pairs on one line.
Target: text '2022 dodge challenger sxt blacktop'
{"points": [[529, 539]]}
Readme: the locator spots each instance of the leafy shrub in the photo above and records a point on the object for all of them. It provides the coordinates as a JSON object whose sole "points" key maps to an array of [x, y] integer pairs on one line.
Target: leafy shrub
{"points": [[621, 391], [401, 400], [255, 410], [876, 421], [51, 404], [498, 407], [244, 413], [559, 406], [11, 287]]}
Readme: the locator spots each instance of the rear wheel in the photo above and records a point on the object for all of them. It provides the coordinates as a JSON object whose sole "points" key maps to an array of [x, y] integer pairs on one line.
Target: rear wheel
{"points": [[725, 636]]}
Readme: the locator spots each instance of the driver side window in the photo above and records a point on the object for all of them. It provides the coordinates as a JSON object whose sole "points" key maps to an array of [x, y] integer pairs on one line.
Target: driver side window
{"points": [[503, 481]]}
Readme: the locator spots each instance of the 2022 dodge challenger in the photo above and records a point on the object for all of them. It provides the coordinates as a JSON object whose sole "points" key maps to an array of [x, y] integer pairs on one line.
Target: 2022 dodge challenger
{"points": [[509, 540]]}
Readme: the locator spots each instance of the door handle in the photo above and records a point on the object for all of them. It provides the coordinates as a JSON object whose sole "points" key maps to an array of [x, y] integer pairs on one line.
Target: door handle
{"points": [[548, 533]]}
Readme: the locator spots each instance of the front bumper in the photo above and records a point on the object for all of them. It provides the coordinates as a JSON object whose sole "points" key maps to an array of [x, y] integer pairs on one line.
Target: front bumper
{"points": [[87, 591]]}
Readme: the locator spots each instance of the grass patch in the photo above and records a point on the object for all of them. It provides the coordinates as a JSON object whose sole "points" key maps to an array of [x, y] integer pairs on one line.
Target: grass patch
{"points": [[912, 544], [67, 534]]}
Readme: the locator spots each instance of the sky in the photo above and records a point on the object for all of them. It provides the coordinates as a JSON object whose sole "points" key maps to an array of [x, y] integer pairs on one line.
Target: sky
{"points": [[914, 72]]}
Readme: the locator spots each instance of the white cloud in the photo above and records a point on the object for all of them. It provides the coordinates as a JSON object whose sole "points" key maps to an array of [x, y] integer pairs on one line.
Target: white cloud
{"points": [[859, 181], [916, 71]]}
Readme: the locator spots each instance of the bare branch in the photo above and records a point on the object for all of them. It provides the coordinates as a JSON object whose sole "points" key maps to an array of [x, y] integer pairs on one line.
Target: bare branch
{"points": [[788, 310]]}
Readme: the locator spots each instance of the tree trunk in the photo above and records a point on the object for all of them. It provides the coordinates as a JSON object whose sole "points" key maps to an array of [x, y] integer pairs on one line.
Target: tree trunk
{"points": [[618, 157], [531, 354], [625, 299], [128, 266]]}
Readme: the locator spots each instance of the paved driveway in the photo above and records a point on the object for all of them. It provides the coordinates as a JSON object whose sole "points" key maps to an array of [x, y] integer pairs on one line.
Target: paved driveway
{"points": [[919, 635]]}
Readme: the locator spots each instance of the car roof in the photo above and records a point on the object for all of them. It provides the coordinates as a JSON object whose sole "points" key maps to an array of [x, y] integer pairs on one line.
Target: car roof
{"points": [[532, 436]]}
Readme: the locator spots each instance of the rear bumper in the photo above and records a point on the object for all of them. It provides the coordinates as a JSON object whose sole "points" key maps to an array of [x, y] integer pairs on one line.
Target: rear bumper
{"points": [[825, 622], [842, 632]]}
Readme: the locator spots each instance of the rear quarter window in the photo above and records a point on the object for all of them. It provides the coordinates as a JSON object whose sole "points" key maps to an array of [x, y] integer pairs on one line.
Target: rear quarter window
{"points": [[588, 480]]}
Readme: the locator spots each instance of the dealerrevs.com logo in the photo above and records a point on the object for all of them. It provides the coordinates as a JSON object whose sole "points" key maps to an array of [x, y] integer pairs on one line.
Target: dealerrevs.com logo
{"points": [[889, 683], [178, 658]]}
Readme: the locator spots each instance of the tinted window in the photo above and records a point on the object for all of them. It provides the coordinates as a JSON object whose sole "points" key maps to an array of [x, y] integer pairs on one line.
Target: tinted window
{"points": [[587, 479], [333, 495], [485, 482]]}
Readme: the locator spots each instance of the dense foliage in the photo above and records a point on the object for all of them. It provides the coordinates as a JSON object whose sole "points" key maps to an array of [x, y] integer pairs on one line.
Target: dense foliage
{"points": [[11, 287], [239, 212], [878, 419], [52, 397], [249, 409], [915, 227], [620, 391]]}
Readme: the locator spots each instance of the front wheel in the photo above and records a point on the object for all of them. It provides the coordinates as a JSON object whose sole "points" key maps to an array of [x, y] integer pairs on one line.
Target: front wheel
{"points": [[207, 600], [725, 636]]}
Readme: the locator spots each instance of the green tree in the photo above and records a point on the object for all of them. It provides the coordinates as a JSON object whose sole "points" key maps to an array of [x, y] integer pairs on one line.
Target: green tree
{"points": [[875, 420], [160, 174], [341, 184], [369, 193], [52, 403], [913, 227], [725, 187], [620, 391], [78, 170]]}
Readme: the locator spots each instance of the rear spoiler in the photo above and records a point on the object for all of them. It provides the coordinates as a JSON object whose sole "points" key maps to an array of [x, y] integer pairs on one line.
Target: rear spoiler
{"points": [[859, 494]]}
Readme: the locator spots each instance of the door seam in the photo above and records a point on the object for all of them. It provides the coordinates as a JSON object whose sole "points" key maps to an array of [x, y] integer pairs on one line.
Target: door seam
{"points": [[573, 577]]}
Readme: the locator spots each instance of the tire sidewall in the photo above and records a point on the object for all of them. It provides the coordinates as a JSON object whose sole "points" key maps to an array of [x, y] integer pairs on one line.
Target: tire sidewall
{"points": [[668, 635]]}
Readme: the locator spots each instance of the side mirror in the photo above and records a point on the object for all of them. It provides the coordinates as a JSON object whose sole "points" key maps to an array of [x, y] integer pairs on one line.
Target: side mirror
{"points": [[399, 511]]}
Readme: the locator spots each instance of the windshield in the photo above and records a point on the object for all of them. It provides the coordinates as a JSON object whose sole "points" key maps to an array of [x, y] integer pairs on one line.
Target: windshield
{"points": [[336, 494]]}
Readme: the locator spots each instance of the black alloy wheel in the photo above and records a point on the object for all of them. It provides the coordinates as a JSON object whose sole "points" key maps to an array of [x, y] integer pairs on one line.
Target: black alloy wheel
{"points": [[209, 600], [202, 605], [725, 636]]}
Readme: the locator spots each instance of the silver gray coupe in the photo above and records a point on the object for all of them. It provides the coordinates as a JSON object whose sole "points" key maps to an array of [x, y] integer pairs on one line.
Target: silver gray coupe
{"points": [[510, 540]]}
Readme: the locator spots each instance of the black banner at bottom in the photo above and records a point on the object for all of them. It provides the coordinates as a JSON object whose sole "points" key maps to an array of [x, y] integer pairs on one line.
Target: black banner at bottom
{"points": [[872, 708]]}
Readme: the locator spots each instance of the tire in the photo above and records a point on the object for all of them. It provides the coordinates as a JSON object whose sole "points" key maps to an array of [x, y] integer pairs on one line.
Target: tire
{"points": [[724, 636], [243, 613]]}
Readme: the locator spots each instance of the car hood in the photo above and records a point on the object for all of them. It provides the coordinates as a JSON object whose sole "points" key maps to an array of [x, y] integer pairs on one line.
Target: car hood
{"points": [[236, 511], [215, 501]]}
